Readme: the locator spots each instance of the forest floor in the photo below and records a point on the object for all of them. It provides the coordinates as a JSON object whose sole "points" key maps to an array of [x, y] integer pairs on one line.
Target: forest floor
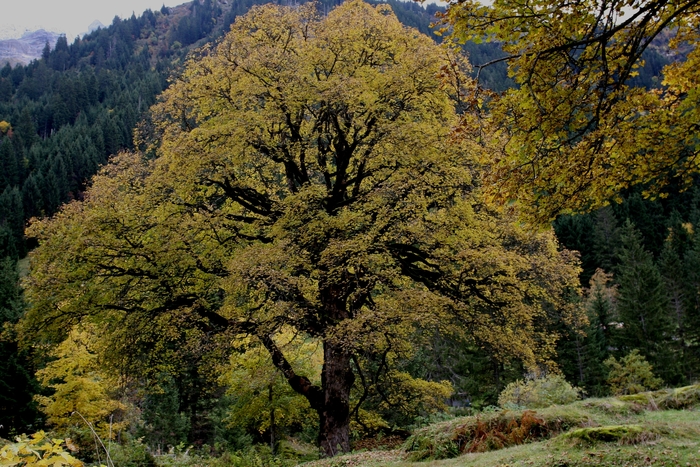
{"points": [[651, 429]]}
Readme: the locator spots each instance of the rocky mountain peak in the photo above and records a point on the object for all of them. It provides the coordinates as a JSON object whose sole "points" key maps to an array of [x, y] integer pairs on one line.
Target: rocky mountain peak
{"points": [[26, 48]]}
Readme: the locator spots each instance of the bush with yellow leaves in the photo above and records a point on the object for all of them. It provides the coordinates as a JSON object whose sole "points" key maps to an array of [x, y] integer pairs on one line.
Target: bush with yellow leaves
{"points": [[539, 392], [38, 450]]}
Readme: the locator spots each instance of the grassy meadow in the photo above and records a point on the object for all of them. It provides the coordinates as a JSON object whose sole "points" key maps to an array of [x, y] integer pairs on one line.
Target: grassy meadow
{"points": [[659, 428]]}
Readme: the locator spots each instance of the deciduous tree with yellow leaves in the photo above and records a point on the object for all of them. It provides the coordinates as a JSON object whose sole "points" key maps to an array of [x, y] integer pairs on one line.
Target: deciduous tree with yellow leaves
{"points": [[576, 132], [306, 181], [81, 390]]}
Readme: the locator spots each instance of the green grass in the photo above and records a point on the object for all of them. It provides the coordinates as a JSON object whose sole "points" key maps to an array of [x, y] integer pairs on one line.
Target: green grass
{"points": [[660, 428]]}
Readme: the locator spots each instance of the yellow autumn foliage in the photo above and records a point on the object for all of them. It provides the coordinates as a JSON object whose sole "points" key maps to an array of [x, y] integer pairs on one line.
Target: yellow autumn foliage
{"points": [[577, 130], [80, 385], [257, 387], [37, 451]]}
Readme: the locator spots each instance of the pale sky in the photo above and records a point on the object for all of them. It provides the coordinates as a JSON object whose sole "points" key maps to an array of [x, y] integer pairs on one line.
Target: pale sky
{"points": [[71, 17]]}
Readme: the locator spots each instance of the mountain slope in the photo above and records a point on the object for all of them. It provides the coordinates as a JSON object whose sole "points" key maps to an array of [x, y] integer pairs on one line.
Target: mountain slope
{"points": [[26, 48]]}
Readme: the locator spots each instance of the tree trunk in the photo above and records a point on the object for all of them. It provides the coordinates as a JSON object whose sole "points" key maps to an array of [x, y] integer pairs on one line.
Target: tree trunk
{"points": [[337, 379], [332, 400]]}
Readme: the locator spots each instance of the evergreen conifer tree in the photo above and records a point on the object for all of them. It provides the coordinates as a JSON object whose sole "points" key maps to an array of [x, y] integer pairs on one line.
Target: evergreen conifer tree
{"points": [[5, 89], [648, 219], [32, 197], [9, 172], [46, 53], [600, 307], [12, 219], [606, 238], [577, 233], [25, 130], [691, 267], [675, 283], [643, 304]]}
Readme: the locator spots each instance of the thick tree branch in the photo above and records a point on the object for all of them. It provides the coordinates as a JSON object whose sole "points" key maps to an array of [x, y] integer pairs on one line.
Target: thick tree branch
{"points": [[300, 384]]}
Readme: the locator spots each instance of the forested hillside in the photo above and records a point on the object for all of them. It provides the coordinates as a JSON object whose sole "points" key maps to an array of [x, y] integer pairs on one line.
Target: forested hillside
{"points": [[271, 229]]}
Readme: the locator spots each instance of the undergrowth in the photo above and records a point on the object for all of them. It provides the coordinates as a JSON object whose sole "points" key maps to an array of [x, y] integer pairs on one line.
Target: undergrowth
{"points": [[621, 433], [590, 421], [665, 399], [487, 432]]}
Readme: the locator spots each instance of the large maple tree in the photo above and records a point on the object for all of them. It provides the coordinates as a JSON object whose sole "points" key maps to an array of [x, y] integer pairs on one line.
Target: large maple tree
{"points": [[306, 182]]}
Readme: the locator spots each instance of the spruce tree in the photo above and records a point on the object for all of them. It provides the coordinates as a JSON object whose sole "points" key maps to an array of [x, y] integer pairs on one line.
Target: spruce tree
{"points": [[675, 265], [648, 219], [691, 266], [46, 52], [606, 238], [577, 233], [32, 197], [6, 90], [680, 234], [600, 333], [9, 172], [675, 283], [12, 219], [643, 305], [25, 130]]}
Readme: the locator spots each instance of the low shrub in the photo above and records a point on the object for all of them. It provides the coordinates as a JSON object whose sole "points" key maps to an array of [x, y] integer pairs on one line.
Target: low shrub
{"points": [[487, 432], [37, 450], [538, 393], [632, 374], [256, 456], [131, 454]]}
